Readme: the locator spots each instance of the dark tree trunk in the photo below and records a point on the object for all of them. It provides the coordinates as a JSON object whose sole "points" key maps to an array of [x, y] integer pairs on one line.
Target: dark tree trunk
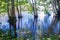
{"points": [[35, 19], [13, 17], [56, 16], [19, 17]]}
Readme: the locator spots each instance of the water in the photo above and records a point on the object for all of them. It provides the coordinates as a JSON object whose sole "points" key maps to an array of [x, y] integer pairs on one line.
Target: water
{"points": [[27, 23]]}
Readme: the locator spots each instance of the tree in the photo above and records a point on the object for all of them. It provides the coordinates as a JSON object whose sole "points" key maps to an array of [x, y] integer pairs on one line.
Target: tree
{"points": [[56, 16], [12, 17]]}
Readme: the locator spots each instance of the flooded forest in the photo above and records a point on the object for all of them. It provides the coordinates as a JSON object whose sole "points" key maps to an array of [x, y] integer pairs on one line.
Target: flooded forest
{"points": [[29, 19]]}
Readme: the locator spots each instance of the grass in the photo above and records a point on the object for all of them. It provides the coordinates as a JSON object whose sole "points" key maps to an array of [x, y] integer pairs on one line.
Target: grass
{"points": [[5, 37]]}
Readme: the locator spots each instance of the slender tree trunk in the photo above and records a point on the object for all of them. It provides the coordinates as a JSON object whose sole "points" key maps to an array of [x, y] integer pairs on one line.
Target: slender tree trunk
{"points": [[18, 16], [35, 19]]}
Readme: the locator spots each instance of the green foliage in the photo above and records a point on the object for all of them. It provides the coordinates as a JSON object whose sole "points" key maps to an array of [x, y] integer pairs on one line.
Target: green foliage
{"points": [[3, 4], [54, 37], [28, 6]]}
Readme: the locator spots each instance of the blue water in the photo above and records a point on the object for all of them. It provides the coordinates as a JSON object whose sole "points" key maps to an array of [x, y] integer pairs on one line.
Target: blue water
{"points": [[27, 22]]}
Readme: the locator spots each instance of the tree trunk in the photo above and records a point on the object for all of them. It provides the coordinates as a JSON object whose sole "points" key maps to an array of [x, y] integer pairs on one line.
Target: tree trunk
{"points": [[20, 18], [56, 16], [35, 20], [13, 17]]}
